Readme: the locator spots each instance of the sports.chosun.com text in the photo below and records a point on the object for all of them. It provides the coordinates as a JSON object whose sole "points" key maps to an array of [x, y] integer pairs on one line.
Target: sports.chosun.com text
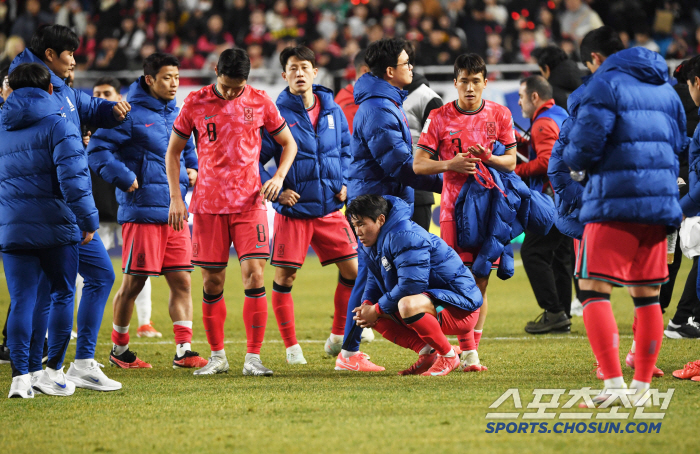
{"points": [[573, 427]]}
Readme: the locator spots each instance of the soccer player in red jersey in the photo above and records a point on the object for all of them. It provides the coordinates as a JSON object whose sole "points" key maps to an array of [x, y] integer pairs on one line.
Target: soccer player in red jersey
{"points": [[228, 203], [461, 134]]}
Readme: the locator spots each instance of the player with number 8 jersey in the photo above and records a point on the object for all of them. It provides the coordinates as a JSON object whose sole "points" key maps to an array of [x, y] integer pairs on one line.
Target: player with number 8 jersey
{"points": [[228, 204]]}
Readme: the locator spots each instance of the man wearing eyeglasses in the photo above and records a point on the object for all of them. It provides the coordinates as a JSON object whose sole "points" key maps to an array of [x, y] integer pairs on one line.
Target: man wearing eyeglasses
{"points": [[382, 161]]}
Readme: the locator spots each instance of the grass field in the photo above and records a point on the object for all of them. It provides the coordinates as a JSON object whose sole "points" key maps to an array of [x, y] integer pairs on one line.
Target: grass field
{"points": [[312, 408]]}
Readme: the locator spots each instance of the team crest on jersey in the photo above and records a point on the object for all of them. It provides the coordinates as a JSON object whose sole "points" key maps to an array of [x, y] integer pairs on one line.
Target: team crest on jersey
{"points": [[195, 249], [280, 250], [386, 264], [141, 260], [491, 129], [248, 114]]}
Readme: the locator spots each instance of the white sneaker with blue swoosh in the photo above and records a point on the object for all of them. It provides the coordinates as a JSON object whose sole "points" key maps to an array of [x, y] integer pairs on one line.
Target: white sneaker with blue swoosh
{"points": [[53, 383], [91, 377]]}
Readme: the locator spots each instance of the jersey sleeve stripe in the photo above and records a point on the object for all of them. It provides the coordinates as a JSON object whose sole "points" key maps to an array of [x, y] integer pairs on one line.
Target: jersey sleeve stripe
{"points": [[512, 145], [278, 130], [427, 148], [181, 134]]}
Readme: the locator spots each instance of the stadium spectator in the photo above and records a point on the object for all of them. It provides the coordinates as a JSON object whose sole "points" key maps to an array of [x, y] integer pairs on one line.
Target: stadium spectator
{"points": [[14, 45], [132, 38], [29, 21], [214, 36], [70, 14], [578, 19], [345, 97], [110, 57]]}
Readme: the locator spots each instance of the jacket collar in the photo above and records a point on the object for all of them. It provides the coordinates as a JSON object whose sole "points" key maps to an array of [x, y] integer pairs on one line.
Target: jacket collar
{"points": [[546, 106], [294, 102]]}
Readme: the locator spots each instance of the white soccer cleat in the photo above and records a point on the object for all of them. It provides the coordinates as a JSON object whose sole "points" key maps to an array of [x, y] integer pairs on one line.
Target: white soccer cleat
{"points": [[295, 355], [92, 377], [216, 365], [332, 348], [469, 362], [53, 383], [21, 387], [576, 308], [367, 335]]}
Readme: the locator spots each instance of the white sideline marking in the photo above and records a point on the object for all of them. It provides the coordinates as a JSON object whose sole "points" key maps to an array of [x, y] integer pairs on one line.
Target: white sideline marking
{"points": [[314, 341]]}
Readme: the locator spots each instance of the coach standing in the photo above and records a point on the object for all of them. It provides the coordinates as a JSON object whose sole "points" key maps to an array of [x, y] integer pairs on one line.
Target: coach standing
{"points": [[546, 258], [629, 130]]}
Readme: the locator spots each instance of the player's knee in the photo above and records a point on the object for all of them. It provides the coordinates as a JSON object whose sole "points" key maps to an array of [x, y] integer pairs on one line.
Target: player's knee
{"points": [[407, 306], [255, 278]]}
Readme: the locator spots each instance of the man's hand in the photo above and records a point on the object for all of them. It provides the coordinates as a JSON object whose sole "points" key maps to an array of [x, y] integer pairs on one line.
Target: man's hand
{"points": [[480, 152], [288, 198], [86, 139], [343, 194], [366, 315], [177, 214], [134, 185], [463, 163], [87, 237], [120, 110], [192, 176], [272, 188]]}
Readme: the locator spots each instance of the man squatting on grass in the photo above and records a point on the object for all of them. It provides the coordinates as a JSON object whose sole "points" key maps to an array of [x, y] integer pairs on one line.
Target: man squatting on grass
{"points": [[418, 290]]}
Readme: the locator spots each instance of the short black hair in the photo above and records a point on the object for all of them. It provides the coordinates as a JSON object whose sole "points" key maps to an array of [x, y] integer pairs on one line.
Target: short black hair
{"points": [[368, 205], [550, 56], [109, 80], [56, 37], [472, 63], [411, 51], [302, 53], [30, 75], [234, 63], [538, 84], [603, 40], [384, 53], [155, 61], [691, 69], [359, 60]]}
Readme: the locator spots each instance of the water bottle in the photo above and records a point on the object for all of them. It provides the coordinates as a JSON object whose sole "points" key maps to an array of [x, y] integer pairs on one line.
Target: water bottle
{"points": [[578, 175]]}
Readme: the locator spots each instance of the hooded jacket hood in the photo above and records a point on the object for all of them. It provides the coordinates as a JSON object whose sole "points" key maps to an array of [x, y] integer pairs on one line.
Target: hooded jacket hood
{"points": [[370, 86], [27, 56], [296, 104], [642, 64], [26, 106], [400, 212]]}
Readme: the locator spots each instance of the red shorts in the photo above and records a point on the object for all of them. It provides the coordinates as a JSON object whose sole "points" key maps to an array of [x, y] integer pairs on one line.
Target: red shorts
{"points": [[448, 232], [623, 253], [212, 235], [154, 249], [331, 237]]}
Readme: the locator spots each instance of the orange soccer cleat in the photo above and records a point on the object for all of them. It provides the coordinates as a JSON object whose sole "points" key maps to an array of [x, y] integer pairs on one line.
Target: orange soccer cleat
{"points": [[689, 372], [423, 364], [128, 360], [356, 363], [148, 331], [189, 360], [442, 366], [629, 360]]}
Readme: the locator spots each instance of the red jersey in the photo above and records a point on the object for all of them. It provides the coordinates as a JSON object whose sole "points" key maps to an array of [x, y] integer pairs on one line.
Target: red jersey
{"points": [[450, 130], [314, 111], [228, 137]]}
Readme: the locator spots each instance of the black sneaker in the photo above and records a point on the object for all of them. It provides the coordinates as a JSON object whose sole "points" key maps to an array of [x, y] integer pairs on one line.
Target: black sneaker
{"points": [[548, 322], [128, 360], [4, 355], [690, 330]]}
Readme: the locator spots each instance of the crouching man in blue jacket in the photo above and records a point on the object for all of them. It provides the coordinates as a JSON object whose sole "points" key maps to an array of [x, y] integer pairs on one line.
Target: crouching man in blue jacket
{"points": [[418, 290], [46, 201]]}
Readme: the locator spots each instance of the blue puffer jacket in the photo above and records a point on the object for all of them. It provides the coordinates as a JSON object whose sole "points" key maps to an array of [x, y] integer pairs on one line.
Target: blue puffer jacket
{"points": [[567, 192], [77, 106], [628, 132], [407, 260], [45, 190], [320, 169], [382, 158], [136, 150], [690, 203]]}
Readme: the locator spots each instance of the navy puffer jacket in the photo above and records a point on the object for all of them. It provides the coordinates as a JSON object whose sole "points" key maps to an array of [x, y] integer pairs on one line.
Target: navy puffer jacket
{"points": [[407, 260], [382, 157], [690, 203], [320, 169], [45, 190], [629, 129], [136, 150]]}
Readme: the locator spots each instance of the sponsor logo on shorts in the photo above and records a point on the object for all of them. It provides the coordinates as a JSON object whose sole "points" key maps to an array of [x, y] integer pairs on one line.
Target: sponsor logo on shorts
{"points": [[141, 260], [258, 246], [280, 250], [195, 249]]}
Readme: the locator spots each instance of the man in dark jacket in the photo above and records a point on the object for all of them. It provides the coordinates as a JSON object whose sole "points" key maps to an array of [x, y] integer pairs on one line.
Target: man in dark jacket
{"points": [[562, 73], [52, 47], [43, 211], [629, 129], [382, 158], [132, 157], [315, 189], [418, 289], [546, 258]]}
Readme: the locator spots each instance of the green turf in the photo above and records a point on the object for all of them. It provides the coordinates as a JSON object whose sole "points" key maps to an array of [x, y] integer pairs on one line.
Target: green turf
{"points": [[313, 408]]}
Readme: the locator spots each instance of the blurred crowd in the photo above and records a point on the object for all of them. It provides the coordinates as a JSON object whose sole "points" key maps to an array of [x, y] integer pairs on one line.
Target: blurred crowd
{"points": [[118, 34]]}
